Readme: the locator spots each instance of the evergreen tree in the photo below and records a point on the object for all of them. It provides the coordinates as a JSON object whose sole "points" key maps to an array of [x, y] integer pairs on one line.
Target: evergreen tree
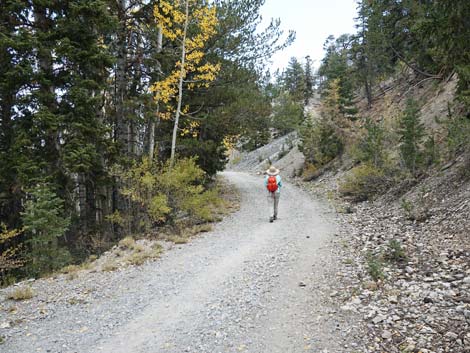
{"points": [[288, 114], [371, 148], [44, 222], [411, 132], [335, 67], [75, 103], [309, 80], [293, 80]]}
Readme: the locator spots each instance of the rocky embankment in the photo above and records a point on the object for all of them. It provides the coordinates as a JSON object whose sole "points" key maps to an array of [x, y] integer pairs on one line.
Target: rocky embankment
{"points": [[407, 263], [283, 152]]}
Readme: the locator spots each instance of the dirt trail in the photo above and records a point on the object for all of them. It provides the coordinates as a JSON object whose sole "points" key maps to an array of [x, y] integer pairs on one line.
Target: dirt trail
{"points": [[247, 286]]}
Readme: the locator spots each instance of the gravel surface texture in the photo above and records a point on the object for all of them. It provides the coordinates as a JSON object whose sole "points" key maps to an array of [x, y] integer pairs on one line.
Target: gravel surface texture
{"points": [[247, 286]]}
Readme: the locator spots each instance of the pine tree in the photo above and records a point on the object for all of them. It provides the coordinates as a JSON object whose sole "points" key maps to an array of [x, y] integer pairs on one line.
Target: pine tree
{"points": [[411, 132], [309, 80], [293, 80], [335, 67], [372, 145], [75, 100], [44, 223]]}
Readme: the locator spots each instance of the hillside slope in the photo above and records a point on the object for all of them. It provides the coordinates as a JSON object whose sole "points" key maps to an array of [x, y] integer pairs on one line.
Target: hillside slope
{"points": [[409, 248]]}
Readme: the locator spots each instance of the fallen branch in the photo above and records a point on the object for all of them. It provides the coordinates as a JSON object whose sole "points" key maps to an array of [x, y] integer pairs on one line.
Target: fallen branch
{"points": [[413, 67]]}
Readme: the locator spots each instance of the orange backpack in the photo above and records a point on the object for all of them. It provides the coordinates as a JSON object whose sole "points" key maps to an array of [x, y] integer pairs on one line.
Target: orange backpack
{"points": [[272, 184]]}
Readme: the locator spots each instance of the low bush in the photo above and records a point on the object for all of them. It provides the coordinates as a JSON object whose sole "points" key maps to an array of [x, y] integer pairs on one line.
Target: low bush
{"points": [[407, 208], [375, 267], [179, 239], [162, 193], [363, 183], [370, 148], [395, 251], [310, 172]]}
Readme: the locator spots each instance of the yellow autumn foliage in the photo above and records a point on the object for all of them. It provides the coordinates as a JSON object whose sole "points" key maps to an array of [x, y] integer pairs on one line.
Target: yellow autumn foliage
{"points": [[172, 19]]}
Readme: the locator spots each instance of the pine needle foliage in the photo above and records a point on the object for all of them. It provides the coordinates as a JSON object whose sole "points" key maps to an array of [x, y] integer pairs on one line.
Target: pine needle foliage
{"points": [[44, 223], [371, 146], [411, 132]]}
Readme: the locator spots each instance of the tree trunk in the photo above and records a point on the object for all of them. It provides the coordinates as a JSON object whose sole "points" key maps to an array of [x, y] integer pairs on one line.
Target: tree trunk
{"points": [[46, 86], [152, 119], [121, 133], [180, 86], [367, 87]]}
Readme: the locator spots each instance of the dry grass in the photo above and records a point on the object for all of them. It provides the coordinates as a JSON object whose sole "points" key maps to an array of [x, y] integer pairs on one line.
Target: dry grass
{"points": [[138, 257], [110, 266], [203, 228], [92, 258], [21, 293], [127, 243], [119, 253], [70, 269], [177, 239], [76, 301], [71, 276], [11, 309], [138, 248]]}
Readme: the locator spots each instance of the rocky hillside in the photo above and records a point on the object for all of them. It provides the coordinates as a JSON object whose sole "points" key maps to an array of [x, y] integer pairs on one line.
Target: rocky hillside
{"points": [[407, 251], [283, 152], [408, 268]]}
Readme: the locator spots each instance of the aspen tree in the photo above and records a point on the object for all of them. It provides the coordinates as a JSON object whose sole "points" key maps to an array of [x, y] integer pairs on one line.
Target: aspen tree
{"points": [[175, 20]]}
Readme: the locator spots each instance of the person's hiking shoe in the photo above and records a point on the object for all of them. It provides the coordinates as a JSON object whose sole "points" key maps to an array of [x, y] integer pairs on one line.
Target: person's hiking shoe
{"points": [[274, 217], [271, 219]]}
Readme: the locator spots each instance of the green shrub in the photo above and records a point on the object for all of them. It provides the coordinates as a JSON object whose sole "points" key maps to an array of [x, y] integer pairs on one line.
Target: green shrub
{"points": [[375, 267], [364, 182], [431, 155], [458, 135], [160, 193], [319, 142], [407, 207], [395, 251]]}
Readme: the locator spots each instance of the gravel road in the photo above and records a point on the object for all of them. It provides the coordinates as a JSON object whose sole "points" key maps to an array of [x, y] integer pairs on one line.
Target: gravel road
{"points": [[247, 286]]}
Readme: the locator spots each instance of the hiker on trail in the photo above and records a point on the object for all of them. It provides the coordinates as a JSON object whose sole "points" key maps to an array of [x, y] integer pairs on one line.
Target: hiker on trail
{"points": [[273, 184]]}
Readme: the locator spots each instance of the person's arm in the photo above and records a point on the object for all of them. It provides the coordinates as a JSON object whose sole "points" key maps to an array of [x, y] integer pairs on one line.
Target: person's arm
{"points": [[279, 183]]}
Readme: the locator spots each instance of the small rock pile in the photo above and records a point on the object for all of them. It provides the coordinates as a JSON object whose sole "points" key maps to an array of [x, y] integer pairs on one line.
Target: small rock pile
{"points": [[408, 276]]}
